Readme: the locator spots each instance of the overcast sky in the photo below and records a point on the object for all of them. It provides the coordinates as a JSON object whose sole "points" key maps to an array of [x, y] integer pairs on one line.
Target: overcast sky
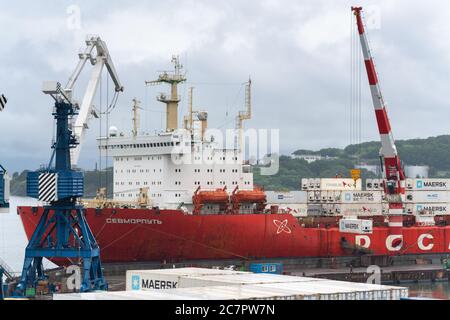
{"points": [[297, 53]]}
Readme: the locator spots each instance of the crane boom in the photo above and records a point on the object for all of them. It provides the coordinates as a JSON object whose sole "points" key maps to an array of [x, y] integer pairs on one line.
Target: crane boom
{"points": [[4, 179], [101, 59], [394, 185]]}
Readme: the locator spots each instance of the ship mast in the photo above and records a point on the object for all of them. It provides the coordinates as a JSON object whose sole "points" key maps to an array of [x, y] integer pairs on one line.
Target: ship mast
{"points": [[136, 116], [244, 115], [173, 78]]}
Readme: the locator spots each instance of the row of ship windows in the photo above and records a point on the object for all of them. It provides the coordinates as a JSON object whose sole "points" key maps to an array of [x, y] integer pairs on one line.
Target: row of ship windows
{"points": [[141, 145], [154, 195], [176, 171], [140, 171], [220, 158], [177, 183], [138, 158]]}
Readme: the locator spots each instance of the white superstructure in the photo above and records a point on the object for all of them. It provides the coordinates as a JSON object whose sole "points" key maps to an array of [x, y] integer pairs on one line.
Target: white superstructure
{"points": [[172, 165]]}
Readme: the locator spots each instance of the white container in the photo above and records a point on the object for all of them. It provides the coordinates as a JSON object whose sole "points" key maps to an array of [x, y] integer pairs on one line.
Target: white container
{"points": [[340, 184], [240, 279], [314, 196], [305, 184], [428, 184], [296, 209], [245, 292], [315, 210], [360, 209], [276, 197], [167, 278], [356, 226], [325, 290], [196, 293], [427, 197], [361, 196], [433, 208]]}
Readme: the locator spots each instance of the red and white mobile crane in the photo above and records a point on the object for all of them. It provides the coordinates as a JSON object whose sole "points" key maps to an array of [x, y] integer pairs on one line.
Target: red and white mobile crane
{"points": [[394, 183]]}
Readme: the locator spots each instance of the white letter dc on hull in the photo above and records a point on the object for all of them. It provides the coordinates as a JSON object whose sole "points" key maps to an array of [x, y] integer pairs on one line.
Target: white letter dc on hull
{"points": [[47, 187]]}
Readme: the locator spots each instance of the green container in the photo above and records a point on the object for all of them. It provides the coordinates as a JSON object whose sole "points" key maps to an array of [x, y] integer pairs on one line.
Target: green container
{"points": [[30, 292]]}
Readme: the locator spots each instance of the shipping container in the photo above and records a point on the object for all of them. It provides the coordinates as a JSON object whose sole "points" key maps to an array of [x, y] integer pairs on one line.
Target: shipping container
{"points": [[239, 279], [339, 184], [360, 209], [280, 198], [426, 196], [341, 290], [433, 208], [168, 278], [325, 291], [357, 226], [296, 209], [247, 292], [428, 184], [374, 184], [314, 196], [361, 197], [271, 268], [315, 210]]}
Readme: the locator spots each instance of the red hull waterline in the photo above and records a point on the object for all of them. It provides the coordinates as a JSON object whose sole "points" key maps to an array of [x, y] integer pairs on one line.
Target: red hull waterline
{"points": [[134, 235]]}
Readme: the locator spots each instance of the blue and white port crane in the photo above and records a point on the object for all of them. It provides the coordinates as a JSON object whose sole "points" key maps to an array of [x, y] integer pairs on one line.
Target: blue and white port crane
{"points": [[4, 179], [62, 231]]}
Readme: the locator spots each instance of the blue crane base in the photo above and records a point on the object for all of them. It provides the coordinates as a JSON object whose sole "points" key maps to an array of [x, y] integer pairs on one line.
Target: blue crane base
{"points": [[63, 233]]}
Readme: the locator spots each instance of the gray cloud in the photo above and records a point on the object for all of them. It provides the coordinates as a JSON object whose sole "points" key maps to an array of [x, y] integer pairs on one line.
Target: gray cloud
{"points": [[296, 52]]}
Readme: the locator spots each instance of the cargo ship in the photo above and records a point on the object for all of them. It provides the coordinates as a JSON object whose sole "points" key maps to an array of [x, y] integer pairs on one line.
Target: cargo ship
{"points": [[179, 196]]}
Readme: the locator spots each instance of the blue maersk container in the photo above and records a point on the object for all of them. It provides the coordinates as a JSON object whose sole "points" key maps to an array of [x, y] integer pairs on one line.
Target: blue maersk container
{"points": [[69, 184], [272, 268]]}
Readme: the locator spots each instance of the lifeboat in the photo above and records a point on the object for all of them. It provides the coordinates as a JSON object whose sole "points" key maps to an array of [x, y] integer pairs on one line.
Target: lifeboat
{"points": [[218, 196], [255, 196]]}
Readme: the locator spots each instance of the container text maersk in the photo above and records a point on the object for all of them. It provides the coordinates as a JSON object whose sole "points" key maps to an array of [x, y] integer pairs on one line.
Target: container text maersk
{"points": [[133, 221]]}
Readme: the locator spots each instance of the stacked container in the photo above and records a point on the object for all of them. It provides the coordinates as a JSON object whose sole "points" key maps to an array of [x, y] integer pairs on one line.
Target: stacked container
{"points": [[427, 196], [294, 202], [209, 284]]}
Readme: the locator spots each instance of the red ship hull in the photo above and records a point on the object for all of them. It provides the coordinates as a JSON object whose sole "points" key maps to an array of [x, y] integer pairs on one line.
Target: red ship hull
{"points": [[134, 235]]}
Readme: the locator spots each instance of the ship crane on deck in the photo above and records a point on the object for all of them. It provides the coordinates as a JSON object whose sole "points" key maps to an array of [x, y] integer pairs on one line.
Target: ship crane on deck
{"points": [[97, 54], [244, 115], [394, 183]]}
